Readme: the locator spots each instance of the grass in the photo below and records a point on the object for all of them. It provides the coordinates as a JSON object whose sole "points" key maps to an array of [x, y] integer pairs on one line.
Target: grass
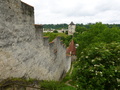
{"points": [[52, 36], [57, 34], [55, 85], [46, 85], [67, 88], [68, 78]]}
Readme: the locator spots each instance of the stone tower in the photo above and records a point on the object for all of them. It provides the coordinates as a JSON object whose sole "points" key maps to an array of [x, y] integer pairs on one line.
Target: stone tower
{"points": [[71, 28]]}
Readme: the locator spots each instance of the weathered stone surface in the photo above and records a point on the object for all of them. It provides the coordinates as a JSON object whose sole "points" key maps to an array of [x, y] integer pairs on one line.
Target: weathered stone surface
{"points": [[23, 52]]}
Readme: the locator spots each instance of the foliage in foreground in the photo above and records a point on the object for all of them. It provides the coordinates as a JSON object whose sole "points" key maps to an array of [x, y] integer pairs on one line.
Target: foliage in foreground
{"points": [[98, 67], [54, 85], [44, 85]]}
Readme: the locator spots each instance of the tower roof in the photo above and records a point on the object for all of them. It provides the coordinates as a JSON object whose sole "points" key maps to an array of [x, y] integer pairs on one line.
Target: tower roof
{"points": [[71, 49], [72, 23]]}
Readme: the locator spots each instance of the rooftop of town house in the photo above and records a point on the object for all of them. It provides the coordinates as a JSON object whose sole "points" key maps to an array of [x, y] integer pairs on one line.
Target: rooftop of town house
{"points": [[71, 49]]}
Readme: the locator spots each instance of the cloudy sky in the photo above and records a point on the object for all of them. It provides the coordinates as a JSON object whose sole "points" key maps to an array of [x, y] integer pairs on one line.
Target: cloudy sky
{"points": [[78, 11]]}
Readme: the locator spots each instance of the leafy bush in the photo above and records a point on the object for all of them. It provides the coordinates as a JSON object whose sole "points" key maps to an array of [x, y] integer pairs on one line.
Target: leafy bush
{"points": [[55, 31], [66, 40], [98, 67]]}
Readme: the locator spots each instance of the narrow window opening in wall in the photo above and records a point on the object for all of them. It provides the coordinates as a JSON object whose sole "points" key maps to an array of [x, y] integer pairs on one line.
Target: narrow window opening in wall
{"points": [[8, 19], [24, 21], [8, 1], [55, 51], [11, 15]]}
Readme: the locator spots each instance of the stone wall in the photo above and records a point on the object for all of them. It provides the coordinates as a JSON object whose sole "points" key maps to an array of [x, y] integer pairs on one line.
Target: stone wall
{"points": [[23, 50]]}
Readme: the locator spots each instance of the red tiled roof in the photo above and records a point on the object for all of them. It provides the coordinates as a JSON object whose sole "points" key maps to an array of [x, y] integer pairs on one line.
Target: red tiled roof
{"points": [[71, 49]]}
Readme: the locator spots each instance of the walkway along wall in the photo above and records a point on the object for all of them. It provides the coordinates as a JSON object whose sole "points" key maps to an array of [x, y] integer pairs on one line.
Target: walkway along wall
{"points": [[23, 50]]}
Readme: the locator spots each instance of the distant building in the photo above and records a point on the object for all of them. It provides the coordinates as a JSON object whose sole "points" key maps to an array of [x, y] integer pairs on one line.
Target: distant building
{"points": [[48, 30], [71, 28], [60, 31]]}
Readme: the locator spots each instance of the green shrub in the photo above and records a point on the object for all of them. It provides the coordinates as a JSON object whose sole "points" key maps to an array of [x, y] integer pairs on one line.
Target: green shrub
{"points": [[55, 31], [98, 67]]}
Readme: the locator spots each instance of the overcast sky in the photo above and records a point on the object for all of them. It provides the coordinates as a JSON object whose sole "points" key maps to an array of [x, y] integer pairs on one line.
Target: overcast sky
{"points": [[78, 11]]}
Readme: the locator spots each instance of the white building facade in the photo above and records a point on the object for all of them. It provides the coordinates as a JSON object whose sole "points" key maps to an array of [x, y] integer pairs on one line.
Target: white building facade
{"points": [[71, 28]]}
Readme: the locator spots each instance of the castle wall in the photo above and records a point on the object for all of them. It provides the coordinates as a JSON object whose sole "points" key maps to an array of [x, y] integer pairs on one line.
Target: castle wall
{"points": [[23, 50], [14, 21]]}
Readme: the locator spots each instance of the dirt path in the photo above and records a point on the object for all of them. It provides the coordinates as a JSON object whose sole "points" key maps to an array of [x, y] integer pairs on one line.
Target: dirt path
{"points": [[67, 82], [71, 70]]}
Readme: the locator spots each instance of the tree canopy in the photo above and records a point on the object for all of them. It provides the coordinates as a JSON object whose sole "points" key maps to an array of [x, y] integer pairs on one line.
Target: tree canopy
{"points": [[98, 57]]}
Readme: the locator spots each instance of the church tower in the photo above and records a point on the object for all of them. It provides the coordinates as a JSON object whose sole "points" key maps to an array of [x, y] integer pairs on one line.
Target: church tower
{"points": [[71, 28]]}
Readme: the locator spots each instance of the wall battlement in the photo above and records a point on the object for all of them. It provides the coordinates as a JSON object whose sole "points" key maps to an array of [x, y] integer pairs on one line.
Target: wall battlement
{"points": [[39, 32], [24, 52], [46, 41]]}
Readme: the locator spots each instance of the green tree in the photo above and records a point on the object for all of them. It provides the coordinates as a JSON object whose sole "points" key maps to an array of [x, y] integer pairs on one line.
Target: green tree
{"points": [[55, 31], [55, 26], [66, 40], [95, 34], [80, 29], [66, 32], [98, 67]]}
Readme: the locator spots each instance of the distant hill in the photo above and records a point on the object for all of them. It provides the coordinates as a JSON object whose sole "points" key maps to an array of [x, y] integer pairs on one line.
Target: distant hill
{"points": [[89, 25], [55, 26], [65, 26]]}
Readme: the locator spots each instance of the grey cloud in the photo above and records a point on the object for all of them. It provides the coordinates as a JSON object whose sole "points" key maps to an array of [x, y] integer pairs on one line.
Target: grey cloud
{"points": [[80, 11]]}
